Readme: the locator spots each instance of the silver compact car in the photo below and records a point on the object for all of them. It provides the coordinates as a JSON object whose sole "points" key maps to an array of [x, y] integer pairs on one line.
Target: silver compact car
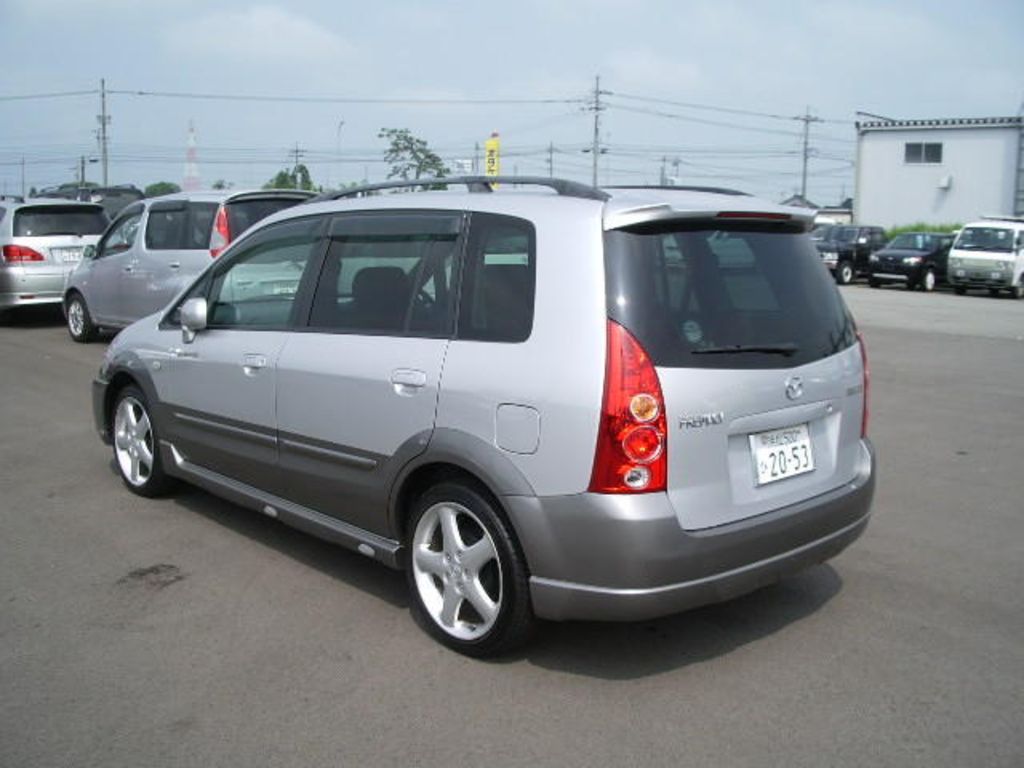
{"points": [[541, 401], [41, 242], [156, 247]]}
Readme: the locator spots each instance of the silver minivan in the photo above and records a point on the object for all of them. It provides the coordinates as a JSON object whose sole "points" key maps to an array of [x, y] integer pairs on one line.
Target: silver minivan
{"points": [[41, 241], [156, 247], [545, 401]]}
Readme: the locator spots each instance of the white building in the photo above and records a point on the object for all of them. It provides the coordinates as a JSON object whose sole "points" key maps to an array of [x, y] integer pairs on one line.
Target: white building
{"points": [[939, 171]]}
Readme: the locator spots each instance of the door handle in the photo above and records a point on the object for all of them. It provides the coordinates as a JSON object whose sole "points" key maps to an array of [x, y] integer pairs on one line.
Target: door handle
{"points": [[175, 265], [253, 363], [129, 269], [407, 381]]}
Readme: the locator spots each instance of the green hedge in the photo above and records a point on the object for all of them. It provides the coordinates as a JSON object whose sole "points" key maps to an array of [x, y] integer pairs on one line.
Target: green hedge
{"points": [[922, 227]]}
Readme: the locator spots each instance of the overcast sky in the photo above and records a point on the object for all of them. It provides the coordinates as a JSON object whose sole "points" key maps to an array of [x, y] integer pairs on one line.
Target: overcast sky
{"points": [[910, 59]]}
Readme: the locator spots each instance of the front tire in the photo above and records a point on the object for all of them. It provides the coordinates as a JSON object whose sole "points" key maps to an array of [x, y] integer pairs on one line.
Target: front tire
{"points": [[927, 281], [79, 321], [844, 273], [1017, 291], [136, 446], [467, 577], [959, 290]]}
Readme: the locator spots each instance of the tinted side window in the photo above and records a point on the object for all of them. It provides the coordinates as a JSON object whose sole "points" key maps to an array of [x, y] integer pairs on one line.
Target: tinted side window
{"points": [[184, 227], [257, 288], [389, 274], [499, 279], [121, 236]]}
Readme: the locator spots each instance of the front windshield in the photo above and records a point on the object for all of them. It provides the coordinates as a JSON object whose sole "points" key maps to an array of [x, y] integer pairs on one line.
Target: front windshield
{"points": [[822, 231], [844, 234], [913, 242], [985, 239]]}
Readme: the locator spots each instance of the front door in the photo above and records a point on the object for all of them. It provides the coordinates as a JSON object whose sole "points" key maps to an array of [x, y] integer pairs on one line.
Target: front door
{"points": [[221, 397], [109, 269]]}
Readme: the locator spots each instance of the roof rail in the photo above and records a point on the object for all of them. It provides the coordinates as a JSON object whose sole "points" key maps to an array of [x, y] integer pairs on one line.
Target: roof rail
{"points": [[672, 188], [1019, 219], [474, 184]]}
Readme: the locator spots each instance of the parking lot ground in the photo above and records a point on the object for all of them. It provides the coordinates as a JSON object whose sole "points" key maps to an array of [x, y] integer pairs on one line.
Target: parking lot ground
{"points": [[186, 631]]}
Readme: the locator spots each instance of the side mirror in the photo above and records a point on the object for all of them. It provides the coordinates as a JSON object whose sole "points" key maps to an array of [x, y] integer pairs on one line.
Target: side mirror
{"points": [[89, 252], [193, 318]]}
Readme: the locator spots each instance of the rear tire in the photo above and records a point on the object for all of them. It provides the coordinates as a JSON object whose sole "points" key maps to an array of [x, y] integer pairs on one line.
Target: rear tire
{"points": [[959, 290], [1017, 291], [873, 283], [467, 578], [993, 292], [136, 445], [79, 321]]}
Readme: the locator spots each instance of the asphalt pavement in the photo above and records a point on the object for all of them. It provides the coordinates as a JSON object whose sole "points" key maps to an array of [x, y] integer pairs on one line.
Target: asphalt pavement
{"points": [[189, 632]]}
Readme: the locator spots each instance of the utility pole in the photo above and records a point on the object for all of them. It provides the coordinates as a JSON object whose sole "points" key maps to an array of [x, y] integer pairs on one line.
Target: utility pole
{"points": [[551, 159], [23, 176], [597, 109], [81, 170], [476, 158], [663, 179], [806, 119], [104, 120]]}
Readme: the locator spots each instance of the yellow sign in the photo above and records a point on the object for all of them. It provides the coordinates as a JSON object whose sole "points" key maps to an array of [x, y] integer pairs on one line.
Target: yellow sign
{"points": [[492, 156]]}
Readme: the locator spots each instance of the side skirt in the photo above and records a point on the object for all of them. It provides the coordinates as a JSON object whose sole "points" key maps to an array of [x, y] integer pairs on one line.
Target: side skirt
{"points": [[325, 527]]}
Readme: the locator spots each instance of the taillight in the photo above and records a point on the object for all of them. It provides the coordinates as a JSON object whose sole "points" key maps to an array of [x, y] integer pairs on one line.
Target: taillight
{"points": [[631, 454], [221, 236], [867, 384], [18, 254]]}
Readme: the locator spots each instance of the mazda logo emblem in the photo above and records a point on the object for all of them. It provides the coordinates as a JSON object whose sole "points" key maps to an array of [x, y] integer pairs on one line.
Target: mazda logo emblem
{"points": [[794, 387]]}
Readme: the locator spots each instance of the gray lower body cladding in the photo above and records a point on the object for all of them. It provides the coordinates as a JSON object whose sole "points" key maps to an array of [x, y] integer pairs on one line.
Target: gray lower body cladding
{"points": [[627, 558]]}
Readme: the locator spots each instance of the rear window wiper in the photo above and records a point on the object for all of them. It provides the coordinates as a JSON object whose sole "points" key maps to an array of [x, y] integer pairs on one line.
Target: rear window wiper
{"points": [[739, 349]]}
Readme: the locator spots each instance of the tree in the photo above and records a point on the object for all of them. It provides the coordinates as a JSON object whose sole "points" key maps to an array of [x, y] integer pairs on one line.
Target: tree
{"points": [[296, 178], [161, 188], [409, 156], [221, 184]]}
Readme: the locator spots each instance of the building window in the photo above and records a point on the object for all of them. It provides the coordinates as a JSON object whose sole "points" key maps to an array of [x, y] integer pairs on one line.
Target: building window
{"points": [[918, 152]]}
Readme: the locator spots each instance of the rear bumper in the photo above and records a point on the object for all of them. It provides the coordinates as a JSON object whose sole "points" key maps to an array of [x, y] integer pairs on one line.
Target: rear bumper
{"points": [[627, 558], [22, 287]]}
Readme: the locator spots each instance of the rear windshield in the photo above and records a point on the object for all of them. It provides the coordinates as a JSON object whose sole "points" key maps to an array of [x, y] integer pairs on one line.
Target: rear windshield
{"points": [[184, 228], [47, 220], [242, 214], [739, 297], [985, 239]]}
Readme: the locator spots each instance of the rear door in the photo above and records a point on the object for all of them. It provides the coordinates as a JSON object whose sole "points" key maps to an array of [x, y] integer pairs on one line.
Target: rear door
{"points": [[757, 359], [358, 387], [173, 250]]}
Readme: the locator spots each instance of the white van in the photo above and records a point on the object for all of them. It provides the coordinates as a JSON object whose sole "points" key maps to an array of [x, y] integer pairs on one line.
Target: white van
{"points": [[989, 254]]}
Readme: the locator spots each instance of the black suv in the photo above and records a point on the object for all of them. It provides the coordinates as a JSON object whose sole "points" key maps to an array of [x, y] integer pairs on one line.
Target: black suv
{"points": [[846, 248], [916, 259]]}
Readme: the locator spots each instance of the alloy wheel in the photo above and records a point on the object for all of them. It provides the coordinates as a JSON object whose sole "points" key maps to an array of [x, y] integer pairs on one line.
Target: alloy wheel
{"points": [[457, 570], [133, 441]]}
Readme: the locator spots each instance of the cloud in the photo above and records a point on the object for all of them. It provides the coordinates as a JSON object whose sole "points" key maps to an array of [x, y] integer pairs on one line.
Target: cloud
{"points": [[264, 34]]}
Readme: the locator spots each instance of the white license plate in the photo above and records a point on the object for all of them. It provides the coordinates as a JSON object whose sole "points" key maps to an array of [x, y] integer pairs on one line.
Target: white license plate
{"points": [[961, 273], [781, 453], [67, 255]]}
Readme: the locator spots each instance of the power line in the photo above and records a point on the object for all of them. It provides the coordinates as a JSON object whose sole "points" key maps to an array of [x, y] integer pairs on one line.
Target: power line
{"points": [[337, 99], [55, 95], [702, 121], [713, 108]]}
